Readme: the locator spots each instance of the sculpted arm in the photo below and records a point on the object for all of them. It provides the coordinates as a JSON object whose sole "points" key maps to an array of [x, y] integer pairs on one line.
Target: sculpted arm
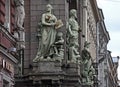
{"points": [[45, 23]]}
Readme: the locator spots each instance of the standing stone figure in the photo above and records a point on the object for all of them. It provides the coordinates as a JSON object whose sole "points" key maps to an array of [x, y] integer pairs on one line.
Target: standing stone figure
{"points": [[20, 14], [19, 20], [72, 31], [19, 33], [48, 35], [88, 70]]}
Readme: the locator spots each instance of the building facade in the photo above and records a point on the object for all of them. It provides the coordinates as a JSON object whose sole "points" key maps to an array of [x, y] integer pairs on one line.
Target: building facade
{"points": [[63, 73], [107, 66], [17, 61], [57, 73], [8, 55], [103, 39]]}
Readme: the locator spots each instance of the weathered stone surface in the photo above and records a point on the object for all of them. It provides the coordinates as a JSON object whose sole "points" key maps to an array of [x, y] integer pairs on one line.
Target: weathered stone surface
{"points": [[72, 35], [47, 70], [73, 68], [47, 66]]}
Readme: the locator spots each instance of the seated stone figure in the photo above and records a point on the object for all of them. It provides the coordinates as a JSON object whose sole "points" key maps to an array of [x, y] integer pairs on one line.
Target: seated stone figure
{"points": [[58, 46], [88, 70], [73, 53]]}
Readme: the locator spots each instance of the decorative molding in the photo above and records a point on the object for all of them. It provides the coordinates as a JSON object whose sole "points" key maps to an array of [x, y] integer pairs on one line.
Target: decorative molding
{"points": [[5, 31], [2, 50]]}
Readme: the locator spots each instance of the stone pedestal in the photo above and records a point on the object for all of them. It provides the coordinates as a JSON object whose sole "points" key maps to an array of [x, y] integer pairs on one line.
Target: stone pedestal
{"points": [[72, 75], [47, 66], [47, 70], [73, 68], [54, 74], [47, 73], [22, 38], [22, 35]]}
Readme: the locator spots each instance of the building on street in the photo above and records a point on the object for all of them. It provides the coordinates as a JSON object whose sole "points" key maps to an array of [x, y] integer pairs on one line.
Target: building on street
{"points": [[79, 61], [8, 56]]}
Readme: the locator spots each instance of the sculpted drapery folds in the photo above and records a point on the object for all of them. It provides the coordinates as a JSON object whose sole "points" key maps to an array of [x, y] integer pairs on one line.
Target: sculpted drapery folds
{"points": [[88, 70], [72, 32], [48, 30], [19, 32], [20, 14]]}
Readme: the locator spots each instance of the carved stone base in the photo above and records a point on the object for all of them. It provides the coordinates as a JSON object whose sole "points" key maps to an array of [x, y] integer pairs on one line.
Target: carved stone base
{"points": [[55, 74], [73, 68], [47, 66]]}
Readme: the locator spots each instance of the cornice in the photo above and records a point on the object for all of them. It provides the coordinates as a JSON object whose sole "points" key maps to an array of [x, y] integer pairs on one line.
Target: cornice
{"points": [[12, 58], [7, 33]]}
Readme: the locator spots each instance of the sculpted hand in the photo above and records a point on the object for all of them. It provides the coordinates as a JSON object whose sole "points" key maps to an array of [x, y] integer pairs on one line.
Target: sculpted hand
{"points": [[53, 24]]}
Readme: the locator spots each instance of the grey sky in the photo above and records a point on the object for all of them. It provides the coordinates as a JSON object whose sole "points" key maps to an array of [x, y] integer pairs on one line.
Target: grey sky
{"points": [[111, 11], [112, 17]]}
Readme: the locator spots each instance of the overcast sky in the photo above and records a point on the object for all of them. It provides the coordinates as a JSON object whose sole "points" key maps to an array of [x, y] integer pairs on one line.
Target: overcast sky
{"points": [[111, 11]]}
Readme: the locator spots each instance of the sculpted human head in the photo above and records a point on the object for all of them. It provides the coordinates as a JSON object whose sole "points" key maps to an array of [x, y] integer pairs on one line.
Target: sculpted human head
{"points": [[49, 8], [73, 12]]}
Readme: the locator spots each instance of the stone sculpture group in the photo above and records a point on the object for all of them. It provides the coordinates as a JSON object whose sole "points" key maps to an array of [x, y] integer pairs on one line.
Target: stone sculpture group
{"points": [[51, 42]]}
